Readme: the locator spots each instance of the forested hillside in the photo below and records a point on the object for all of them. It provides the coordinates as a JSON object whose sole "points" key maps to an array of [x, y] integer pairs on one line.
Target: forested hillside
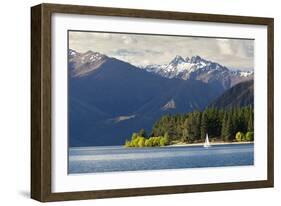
{"points": [[220, 124]]}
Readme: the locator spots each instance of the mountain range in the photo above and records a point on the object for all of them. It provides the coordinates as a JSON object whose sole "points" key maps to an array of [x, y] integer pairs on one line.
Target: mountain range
{"points": [[109, 98], [197, 68]]}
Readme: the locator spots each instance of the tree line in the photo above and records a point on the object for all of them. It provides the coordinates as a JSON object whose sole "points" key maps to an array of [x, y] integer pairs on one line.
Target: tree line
{"points": [[235, 124], [138, 140]]}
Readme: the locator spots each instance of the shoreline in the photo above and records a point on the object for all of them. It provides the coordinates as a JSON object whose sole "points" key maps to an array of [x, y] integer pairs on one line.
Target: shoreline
{"points": [[172, 145], [202, 143]]}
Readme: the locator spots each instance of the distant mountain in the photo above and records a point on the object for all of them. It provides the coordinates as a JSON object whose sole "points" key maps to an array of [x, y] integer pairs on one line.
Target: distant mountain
{"points": [[109, 99], [240, 95], [197, 68], [85, 63]]}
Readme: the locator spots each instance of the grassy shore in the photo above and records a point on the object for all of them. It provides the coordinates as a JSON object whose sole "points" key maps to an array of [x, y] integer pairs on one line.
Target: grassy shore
{"points": [[183, 144]]}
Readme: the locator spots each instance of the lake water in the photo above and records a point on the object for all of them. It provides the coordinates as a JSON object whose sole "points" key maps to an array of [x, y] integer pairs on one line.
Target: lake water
{"points": [[118, 158]]}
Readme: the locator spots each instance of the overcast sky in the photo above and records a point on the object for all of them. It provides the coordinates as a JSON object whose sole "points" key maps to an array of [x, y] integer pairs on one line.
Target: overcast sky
{"points": [[153, 49]]}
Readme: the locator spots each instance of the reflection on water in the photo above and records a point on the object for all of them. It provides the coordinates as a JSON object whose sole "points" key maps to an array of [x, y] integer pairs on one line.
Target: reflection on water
{"points": [[118, 158]]}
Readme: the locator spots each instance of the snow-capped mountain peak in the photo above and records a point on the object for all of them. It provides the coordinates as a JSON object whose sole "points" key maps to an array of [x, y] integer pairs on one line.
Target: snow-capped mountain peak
{"points": [[72, 53], [198, 68], [91, 56], [246, 73], [177, 60], [187, 59], [195, 59], [243, 73], [85, 62], [179, 67]]}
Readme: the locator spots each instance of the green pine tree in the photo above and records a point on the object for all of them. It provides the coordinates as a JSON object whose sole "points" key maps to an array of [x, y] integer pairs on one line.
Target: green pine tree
{"points": [[224, 132], [204, 125]]}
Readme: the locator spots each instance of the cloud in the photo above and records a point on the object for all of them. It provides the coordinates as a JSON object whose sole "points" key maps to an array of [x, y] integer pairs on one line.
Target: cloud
{"points": [[225, 47], [126, 52], [128, 39], [153, 52]]}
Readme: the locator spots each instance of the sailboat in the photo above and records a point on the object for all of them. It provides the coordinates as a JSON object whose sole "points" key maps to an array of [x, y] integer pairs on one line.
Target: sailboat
{"points": [[207, 143]]}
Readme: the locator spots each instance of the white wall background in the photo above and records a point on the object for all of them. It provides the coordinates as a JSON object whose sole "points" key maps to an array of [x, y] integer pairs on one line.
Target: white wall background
{"points": [[15, 102]]}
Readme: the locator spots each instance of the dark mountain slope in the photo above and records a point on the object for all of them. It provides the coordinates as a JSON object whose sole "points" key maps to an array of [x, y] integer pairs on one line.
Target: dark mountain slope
{"points": [[240, 95]]}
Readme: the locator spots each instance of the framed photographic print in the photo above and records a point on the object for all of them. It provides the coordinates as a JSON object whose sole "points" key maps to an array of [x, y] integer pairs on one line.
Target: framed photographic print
{"points": [[130, 102]]}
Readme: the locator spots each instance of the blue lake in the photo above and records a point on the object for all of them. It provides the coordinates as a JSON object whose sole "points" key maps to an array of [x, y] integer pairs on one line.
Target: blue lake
{"points": [[118, 158]]}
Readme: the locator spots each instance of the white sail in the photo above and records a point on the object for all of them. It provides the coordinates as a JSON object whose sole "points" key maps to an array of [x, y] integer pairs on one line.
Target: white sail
{"points": [[207, 143]]}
